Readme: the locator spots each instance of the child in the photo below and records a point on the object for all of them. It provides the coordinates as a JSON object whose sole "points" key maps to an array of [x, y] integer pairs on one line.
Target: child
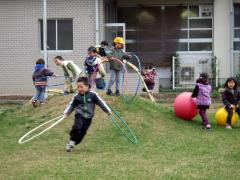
{"points": [[202, 92], [230, 98], [39, 78], [84, 102], [71, 72], [116, 67], [94, 64], [149, 77], [103, 50]]}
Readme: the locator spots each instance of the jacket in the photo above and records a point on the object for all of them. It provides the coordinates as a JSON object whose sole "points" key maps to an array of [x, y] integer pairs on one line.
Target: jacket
{"points": [[39, 77], [70, 69], [202, 92], [230, 97], [91, 67], [119, 54], [85, 105]]}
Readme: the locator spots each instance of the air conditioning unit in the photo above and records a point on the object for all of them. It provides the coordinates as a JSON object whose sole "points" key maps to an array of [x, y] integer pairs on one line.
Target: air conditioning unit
{"points": [[187, 75], [205, 10]]}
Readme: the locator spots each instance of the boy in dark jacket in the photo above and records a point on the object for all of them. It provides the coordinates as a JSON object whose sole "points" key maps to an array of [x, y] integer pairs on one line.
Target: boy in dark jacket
{"points": [[84, 102], [231, 98], [39, 78]]}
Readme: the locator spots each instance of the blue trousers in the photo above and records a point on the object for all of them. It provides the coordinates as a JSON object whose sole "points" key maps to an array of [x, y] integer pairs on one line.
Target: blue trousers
{"points": [[40, 93]]}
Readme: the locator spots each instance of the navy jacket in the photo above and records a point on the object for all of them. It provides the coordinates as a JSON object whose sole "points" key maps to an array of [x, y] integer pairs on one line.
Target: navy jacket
{"points": [[85, 105]]}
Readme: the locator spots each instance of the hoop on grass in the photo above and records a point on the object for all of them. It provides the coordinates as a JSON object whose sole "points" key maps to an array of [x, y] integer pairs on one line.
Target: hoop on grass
{"points": [[123, 127], [57, 119]]}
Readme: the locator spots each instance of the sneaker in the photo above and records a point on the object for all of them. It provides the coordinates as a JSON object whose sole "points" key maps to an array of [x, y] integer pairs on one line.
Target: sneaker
{"points": [[35, 103], [208, 126], [109, 92], [65, 93], [117, 93], [42, 102], [228, 126], [70, 146]]}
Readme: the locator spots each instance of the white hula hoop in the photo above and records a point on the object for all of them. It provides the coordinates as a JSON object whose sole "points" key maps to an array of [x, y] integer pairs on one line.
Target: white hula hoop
{"points": [[21, 141]]}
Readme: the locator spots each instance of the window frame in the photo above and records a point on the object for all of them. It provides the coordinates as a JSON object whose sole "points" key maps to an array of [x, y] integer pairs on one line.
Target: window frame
{"points": [[56, 36]]}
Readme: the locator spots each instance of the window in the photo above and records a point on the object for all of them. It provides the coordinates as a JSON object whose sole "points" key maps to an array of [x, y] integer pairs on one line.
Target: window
{"points": [[167, 29], [236, 43], [59, 34]]}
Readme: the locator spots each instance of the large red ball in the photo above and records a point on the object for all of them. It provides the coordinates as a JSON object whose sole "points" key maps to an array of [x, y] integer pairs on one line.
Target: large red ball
{"points": [[185, 106]]}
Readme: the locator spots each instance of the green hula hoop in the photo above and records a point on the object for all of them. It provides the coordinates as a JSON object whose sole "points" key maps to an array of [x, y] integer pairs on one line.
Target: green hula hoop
{"points": [[128, 135]]}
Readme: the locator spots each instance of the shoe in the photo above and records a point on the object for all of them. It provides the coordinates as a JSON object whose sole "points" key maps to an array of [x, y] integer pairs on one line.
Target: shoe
{"points": [[42, 102], [228, 126], [109, 92], [65, 93], [35, 103], [70, 146], [208, 126], [117, 93]]}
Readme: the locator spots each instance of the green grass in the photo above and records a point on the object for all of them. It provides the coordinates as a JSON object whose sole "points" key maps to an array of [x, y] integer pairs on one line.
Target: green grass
{"points": [[169, 148]]}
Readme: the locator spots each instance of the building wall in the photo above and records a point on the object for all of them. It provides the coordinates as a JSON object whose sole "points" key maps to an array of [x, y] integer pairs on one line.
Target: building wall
{"points": [[20, 38], [222, 37]]}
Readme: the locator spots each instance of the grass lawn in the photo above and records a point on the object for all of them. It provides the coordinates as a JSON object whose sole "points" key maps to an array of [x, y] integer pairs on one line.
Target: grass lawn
{"points": [[169, 148]]}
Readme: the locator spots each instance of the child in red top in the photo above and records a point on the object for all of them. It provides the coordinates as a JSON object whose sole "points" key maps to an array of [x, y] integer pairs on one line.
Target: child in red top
{"points": [[149, 77]]}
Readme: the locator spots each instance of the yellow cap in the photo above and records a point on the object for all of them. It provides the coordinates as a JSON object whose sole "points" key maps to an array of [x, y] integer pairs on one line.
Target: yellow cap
{"points": [[119, 40]]}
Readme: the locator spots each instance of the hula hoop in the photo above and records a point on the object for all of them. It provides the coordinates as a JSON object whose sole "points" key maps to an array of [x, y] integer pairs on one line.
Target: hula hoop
{"points": [[55, 85], [93, 77], [57, 91], [132, 137], [126, 98], [59, 119]]}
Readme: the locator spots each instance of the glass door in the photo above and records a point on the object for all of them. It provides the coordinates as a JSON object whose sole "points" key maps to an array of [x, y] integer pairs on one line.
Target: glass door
{"points": [[113, 30]]}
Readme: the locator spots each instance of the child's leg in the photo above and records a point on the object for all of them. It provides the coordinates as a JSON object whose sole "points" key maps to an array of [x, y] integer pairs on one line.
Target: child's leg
{"points": [[203, 114], [68, 85], [35, 97], [117, 73], [79, 129], [112, 79], [230, 114], [42, 92]]}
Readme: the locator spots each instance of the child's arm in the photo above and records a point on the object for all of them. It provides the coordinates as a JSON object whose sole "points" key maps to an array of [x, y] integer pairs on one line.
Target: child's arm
{"points": [[71, 106], [102, 104], [101, 70], [48, 72], [225, 100], [195, 91]]}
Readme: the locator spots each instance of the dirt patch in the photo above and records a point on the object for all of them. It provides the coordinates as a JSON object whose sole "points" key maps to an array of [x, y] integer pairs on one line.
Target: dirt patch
{"points": [[15, 99]]}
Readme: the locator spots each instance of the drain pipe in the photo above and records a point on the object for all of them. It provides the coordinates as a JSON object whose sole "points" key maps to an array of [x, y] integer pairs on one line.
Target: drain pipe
{"points": [[97, 31], [231, 37]]}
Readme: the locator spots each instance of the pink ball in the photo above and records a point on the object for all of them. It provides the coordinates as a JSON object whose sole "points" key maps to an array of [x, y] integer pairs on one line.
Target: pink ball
{"points": [[185, 106]]}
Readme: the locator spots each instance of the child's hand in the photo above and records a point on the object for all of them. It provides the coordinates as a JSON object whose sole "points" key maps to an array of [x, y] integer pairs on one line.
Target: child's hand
{"points": [[232, 106], [66, 114], [109, 114]]}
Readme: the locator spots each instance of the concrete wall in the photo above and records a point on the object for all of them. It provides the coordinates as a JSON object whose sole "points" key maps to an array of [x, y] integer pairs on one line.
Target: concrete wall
{"points": [[20, 38], [222, 37]]}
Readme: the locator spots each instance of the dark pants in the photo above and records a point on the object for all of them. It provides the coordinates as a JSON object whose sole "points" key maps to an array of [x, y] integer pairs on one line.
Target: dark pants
{"points": [[79, 129], [203, 114], [230, 114]]}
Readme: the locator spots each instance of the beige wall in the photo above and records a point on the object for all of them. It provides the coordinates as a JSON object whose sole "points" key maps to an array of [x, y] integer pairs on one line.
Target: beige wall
{"points": [[222, 36], [20, 38]]}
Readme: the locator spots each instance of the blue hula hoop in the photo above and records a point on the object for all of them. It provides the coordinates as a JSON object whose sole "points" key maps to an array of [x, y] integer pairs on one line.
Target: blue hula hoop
{"points": [[126, 98]]}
